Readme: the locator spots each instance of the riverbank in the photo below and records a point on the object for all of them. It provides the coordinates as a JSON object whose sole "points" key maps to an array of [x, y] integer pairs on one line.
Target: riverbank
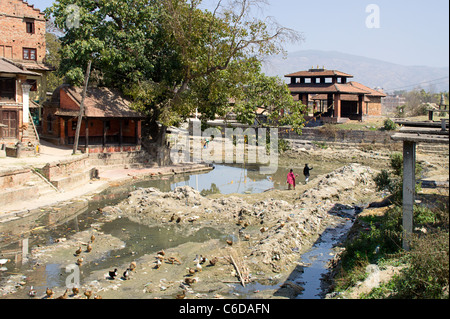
{"points": [[268, 231], [255, 239], [106, 178]]}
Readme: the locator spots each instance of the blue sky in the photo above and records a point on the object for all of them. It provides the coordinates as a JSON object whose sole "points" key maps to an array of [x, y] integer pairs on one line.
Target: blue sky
{"points": [[411, 32]]}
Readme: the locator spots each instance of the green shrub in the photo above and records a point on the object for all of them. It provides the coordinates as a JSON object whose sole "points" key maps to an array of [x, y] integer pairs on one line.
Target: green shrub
{"points": [[389, 125]]}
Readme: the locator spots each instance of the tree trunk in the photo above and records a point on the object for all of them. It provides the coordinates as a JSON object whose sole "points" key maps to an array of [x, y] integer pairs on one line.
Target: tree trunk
{"points": [[158, 134]]}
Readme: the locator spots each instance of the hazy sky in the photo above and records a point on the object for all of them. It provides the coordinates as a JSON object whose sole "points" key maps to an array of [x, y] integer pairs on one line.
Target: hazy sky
{"points": [[409, 32]]}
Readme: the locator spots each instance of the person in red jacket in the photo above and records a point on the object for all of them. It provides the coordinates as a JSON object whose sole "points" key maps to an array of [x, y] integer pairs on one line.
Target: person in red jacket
{"points": [[291, 179]]}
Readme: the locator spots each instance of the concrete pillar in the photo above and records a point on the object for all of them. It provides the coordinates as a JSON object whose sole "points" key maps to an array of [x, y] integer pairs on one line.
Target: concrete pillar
{"points": [[26, 102], [409, 183]]}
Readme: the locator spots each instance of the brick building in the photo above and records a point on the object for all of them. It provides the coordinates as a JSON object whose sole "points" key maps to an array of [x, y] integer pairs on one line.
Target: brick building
{"points": [[109, 124], [22, 41], [15, 119], [332, 97]]}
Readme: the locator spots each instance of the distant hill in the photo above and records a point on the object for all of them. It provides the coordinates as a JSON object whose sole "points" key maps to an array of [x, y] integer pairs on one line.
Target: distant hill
{"points": [[370, 72]]}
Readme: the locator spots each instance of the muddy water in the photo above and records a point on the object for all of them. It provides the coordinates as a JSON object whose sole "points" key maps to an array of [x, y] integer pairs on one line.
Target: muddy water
{"points": [[139, 239]]}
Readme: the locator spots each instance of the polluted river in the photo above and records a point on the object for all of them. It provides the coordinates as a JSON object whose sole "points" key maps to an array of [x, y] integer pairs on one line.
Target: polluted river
{"points": [[227, 233]]}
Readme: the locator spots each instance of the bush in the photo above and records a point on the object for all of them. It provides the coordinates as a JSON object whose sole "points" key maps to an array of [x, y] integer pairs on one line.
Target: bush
{"points": [[389, 125], [427, 277]]}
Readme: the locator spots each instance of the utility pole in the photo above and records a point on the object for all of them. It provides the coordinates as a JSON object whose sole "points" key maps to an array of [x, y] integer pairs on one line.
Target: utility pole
{"points": [[80, 116]]}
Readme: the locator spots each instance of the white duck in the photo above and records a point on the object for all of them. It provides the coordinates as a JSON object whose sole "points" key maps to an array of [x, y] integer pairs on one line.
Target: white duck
{"points": [[2, 263]]}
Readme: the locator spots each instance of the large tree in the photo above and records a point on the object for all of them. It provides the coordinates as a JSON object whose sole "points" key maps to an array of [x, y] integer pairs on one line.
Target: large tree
{"points": [[174, 56]]}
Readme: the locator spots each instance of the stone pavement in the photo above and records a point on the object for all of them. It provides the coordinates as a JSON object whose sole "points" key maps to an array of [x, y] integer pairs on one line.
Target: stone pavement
{"points": [[48, 153]]}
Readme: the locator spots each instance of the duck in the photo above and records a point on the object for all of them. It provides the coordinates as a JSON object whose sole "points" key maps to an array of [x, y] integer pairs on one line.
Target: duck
{"points": [[247, 237], [161, 252], [4, 261], [263, 229], [191, 271], [92, 238], [32, 292], [199, 267], [64, 296], [158, 264], [196, 259], [172, 218], [173, 260], [78, 251], [113, 274], [178, 220], [230, 242], [190, 281], [75, 291], [132, 266], [126, 274], [89, 248], [246, 224], [49, 292], [203, 259], [80, 261], [97, 297], [213, 261], [182, 295], [88, 293]]}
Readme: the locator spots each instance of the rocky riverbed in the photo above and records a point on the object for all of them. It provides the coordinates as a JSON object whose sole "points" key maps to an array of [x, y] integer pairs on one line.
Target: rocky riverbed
{"points": [[255, 240]]}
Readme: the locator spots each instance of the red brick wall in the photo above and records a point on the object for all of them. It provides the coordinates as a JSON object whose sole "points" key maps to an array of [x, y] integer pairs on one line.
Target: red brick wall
{"points": [[66, 102], [14, 36]]}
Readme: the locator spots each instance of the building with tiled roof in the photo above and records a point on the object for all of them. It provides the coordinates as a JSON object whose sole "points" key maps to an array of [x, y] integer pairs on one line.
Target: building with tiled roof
{"points": [[331, 95], [109, 123]]}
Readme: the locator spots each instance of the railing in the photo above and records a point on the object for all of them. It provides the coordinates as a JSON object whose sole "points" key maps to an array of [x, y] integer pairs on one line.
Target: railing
{"points": [[34, 128]]}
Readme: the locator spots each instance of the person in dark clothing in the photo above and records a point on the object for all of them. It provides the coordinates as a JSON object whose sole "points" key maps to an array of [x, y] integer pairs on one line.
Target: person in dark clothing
{"points": [[306, 172]]}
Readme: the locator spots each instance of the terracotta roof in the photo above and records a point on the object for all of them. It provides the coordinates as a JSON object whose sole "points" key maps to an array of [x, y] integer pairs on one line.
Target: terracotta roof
{"points": [[101, 102], [9, 67], [315, 72], [326, 88], [363, 87], [344, 97]]}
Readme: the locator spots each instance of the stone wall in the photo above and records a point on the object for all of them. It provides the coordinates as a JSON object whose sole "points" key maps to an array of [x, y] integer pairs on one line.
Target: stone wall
{"points": [[328, 134], [59, 169], [14, 177]]}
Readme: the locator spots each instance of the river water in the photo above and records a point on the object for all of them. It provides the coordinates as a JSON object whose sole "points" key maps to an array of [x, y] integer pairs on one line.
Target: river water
{"points": [[18, 238]]}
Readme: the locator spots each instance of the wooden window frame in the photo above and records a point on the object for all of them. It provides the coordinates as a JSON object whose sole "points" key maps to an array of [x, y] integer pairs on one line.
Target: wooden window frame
{"points": [[30, 23], [29, 50]]}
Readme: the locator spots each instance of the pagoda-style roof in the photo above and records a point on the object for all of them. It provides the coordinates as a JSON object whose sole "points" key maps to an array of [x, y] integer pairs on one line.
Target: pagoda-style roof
{"points": [[328, 88], [319, 73]]}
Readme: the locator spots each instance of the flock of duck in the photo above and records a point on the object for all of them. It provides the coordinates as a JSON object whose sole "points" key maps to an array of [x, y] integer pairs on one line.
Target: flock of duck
{"points": [[49, 293], [199, 261]]}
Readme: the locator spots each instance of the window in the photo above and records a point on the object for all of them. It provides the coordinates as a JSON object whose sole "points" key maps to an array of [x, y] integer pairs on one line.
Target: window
{"points": [[29, 26], [6, 51], [7, 89], [29, 54]]}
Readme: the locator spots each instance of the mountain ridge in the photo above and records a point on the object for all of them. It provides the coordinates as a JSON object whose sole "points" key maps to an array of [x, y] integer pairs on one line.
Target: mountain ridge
{"points": [[368, 71]]}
